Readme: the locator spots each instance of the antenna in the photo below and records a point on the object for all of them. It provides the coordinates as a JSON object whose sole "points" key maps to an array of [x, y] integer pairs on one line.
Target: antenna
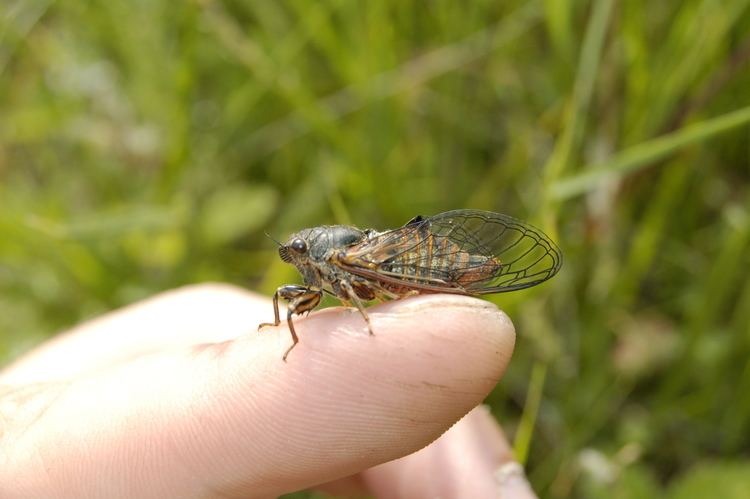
{"points": [[272, 239]]}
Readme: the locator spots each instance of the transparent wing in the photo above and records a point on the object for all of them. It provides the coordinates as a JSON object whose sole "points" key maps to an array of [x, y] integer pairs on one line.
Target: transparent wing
{"points": [[463, 251]]}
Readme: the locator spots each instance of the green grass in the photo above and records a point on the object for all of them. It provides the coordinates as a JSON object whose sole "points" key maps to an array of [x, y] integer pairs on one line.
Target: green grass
{"points": [[146, 145]]}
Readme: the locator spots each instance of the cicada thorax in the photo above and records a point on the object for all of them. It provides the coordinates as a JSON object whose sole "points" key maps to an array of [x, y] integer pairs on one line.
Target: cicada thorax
{"points": [[433, 259]]}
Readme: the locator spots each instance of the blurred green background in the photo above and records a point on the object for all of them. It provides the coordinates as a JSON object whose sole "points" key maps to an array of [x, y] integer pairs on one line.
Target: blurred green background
{"points": [[148, 144]]}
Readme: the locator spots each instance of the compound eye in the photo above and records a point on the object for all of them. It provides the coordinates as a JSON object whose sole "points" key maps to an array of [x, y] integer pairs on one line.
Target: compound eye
{"points": [[299, 245]]}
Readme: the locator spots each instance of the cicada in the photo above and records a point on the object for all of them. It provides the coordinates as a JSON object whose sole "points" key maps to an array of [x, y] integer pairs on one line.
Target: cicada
{"points": [[467, 252]]}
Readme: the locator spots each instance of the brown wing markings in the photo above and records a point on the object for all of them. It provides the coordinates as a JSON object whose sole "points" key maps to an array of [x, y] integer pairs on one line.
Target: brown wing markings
{"points": [[368, 254], [439, 256], [400, 283], [455, 267], [411, 277], [463, 251], [430, 246]]}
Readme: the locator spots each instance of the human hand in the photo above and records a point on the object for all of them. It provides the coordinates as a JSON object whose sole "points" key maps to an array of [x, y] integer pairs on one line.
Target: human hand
{"points": [[179, 396]]}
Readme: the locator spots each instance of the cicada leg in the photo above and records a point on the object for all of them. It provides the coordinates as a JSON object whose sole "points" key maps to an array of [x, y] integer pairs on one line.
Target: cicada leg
{"points": [[301, 299], [346, 286]]}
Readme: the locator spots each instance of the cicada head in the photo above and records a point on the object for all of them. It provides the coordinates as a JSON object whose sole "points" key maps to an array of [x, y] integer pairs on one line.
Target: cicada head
{"points": [[316, 244], [310, 249], [293, 250]]}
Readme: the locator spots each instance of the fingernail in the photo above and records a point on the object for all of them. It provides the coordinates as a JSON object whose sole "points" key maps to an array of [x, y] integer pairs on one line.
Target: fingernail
{"points": [[511, 481]]}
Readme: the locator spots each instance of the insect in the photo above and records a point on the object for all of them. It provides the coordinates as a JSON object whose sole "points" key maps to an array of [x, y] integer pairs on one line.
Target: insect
{"points": [[468, 252]]}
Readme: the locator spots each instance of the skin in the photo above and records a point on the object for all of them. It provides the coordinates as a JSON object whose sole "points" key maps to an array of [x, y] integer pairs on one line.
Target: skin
{"points": [[179, 396]]}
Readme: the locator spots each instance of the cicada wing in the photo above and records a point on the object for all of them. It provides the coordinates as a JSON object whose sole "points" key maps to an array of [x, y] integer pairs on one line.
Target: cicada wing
{"points": [[526, 256], [466, 251]]}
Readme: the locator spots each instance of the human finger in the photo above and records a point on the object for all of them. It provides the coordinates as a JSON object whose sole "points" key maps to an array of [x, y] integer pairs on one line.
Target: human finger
{"points": [[232, 419]]}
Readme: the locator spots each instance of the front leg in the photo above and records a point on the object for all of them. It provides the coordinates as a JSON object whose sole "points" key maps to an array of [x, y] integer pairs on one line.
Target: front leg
{"points": [[301, 299]]}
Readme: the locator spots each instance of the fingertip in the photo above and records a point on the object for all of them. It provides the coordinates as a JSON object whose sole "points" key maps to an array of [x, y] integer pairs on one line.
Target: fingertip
{"points": [[456, 318], [435, 338]]}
